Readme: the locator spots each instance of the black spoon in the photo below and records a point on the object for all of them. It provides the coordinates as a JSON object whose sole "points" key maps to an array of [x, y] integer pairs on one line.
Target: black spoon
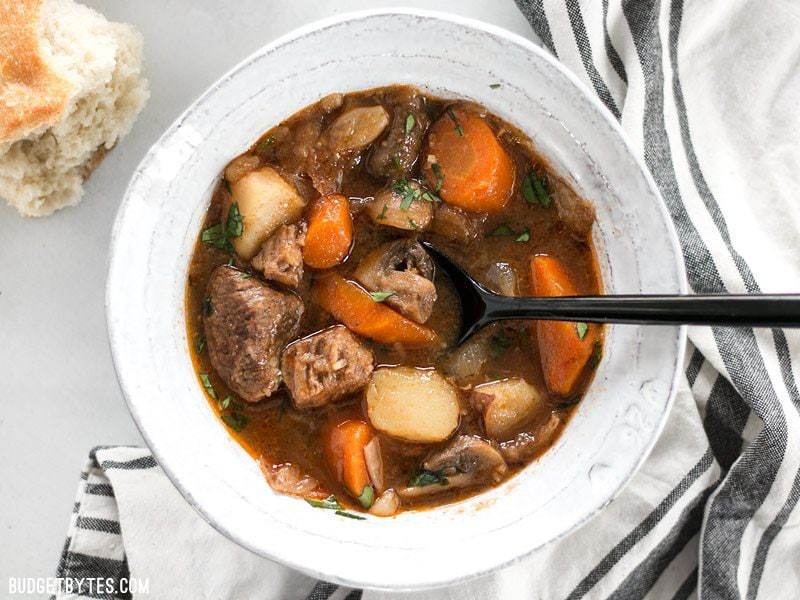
{"points": [[479, 306]]}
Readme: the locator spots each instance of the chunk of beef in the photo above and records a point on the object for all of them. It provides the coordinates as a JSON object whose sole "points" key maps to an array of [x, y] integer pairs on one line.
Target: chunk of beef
{"points": [[396, 154], [281, 256], [325, 367], [403, 268], [455, 224], [246, 327]]}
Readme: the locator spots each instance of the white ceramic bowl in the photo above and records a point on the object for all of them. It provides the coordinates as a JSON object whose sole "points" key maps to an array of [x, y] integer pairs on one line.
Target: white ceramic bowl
{"points": [[158, 223]]}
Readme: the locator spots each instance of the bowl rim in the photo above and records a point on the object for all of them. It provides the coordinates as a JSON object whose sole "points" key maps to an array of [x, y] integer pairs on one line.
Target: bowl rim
{"points": [[115, 342]]}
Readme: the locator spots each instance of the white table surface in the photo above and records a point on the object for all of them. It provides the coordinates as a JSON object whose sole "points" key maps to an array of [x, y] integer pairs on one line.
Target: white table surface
{"points": [[59, 392]]}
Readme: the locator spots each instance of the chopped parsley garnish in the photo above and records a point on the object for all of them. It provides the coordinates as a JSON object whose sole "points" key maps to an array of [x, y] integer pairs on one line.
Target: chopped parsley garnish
{"points": [[413, 225], [219, 235], [208, 308], [459, 129], [437, 173], [396, 161], [383, 212], [367, 496], [235, 224], [423, 478], [200, 343], [216, 236], [226, 402], [349, 515], [380, 296], [534, 190], [407, 191], [410, 121], [207, 384], [500, 231], [499, 342], [525, 236], [245, 275], [331, 503], [430, 197], [235, 420], [581, 329], [494, 86]]}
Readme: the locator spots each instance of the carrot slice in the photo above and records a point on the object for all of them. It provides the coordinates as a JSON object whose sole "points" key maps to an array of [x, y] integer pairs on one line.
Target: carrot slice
{"points": [[564, 347], [466, 165], [344, 449], [351, 305], [330, 232]]}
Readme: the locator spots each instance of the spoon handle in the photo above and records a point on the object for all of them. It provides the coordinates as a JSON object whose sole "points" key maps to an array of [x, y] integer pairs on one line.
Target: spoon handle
{"points": [[750, 310]]}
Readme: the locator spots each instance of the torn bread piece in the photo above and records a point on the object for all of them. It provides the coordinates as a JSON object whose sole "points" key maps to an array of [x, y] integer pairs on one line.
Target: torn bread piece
{"points": [[71, 86]]}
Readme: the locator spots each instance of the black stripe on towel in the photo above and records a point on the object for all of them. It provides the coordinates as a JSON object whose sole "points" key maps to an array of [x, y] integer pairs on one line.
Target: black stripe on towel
{"points": [[144, 462], [688, 586], [585, 50], [99, 489], [534, 13], [322, 591], [96, 524], [695, 364], [726, 416], [613, 55]]}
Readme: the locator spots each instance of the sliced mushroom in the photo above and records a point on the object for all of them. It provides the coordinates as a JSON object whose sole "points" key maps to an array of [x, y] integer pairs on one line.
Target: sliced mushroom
{"points": [[526, 445], [396, 154], [387, 504], [505, 405], [455, 224], [356, 129], [289, 479], [403, 205], [467, 461], [405, 270]]}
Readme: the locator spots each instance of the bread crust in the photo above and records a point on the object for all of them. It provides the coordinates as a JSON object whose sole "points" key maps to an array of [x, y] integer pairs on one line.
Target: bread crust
{"points": [[32, 95]]}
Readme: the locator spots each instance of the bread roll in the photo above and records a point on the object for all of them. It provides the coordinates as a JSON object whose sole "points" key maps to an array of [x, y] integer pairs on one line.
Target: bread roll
{"points": [[71, 86]]}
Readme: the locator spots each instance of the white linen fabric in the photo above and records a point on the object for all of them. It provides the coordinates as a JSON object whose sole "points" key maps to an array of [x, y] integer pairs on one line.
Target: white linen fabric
{"points": [[708, 92]]}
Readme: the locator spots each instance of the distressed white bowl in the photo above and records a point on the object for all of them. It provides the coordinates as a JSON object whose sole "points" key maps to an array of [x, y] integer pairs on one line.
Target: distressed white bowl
{"points": [[158, 223]]}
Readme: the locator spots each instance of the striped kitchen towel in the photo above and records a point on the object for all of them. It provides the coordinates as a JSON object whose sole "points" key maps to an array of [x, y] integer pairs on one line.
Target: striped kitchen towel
{"points": [[708, 92]]}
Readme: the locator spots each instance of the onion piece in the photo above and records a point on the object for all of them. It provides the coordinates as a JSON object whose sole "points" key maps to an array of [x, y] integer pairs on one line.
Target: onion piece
{"points": [[387, 504], [374, 460], [502, 278]]}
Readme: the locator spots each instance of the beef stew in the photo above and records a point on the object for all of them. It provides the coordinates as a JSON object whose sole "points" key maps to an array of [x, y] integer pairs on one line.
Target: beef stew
{"points": [[323, 335]]}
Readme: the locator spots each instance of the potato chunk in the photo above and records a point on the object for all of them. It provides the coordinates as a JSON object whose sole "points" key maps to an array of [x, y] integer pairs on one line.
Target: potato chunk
{"points": [[416, 405], [266, 201], [506, 405], [356, 128]]}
